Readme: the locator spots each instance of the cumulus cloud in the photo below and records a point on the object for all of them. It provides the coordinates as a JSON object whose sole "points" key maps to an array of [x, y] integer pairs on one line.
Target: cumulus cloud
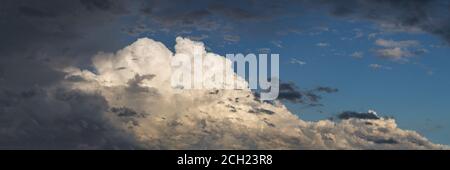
{"points": [[124, 99], [218, 119]]}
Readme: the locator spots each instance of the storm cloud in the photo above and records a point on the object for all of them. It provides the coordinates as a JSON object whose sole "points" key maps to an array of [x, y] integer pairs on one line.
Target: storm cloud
{"points": [[53, 28], [65, 85], [430, 16], [221, 119]]}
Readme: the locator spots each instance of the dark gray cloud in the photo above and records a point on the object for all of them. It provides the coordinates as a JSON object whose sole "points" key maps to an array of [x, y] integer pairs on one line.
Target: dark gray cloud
{"points": [[385, 141], [39, 38], [357, 115], [264, 10], [167, 15], [37, 113], [58, 32], [59, 119], [326, 89], [134, 85], [431, 16], [102, 5], [290, 92], [124, 112], [66, 27], [34, 12], [214, 17]]}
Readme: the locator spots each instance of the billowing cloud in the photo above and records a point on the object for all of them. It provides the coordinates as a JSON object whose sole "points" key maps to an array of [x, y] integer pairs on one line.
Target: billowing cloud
{"points": [[50, 98], [217, 119]]}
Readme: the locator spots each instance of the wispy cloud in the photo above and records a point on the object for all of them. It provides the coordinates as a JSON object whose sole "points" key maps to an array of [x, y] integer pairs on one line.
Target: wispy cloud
{"points": [[399, 51], [277, 44], [231, 38], [379, 67], [357, 55], [297, 61], [396, 44], [264, 50], [322, 44]]}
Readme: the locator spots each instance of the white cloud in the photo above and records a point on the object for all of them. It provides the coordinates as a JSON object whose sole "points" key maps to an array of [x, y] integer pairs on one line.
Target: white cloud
{"points": [[318, 30], [232, 38], [372, 35], [277, 44], [378, 67], [398, 50], [395, 54], [396, 44], [322, 44], [357, 54], [297, 61], [395, 27], [264, 50], [358, 33], [216, 119]]}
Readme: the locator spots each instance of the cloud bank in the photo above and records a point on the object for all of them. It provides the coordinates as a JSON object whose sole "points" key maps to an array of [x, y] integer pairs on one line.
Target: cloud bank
{"points": [[135, 85], [429, 16]]}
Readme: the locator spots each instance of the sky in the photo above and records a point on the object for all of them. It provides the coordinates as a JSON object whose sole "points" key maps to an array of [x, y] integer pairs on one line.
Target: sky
{"points": [[336, 57]]}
